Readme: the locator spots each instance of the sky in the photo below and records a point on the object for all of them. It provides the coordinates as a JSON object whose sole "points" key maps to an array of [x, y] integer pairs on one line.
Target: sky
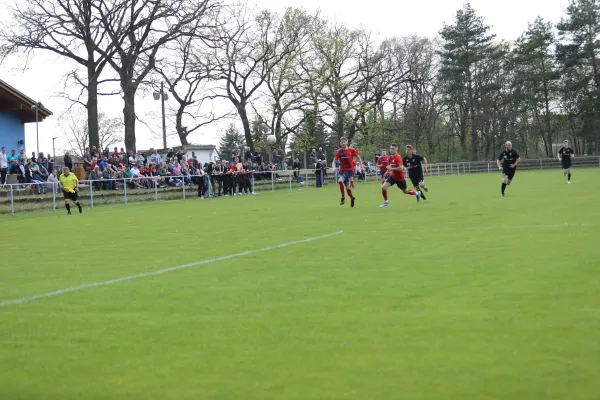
{"points": [[43, 77]]}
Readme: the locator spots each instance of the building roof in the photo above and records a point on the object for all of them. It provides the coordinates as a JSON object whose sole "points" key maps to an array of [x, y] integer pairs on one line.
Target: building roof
{"points": [[13, 100]]}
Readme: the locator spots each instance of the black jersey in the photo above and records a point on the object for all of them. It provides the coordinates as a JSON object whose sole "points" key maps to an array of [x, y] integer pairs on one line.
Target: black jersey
{"points": [[413, 164], [508, 158], [566, 153]]}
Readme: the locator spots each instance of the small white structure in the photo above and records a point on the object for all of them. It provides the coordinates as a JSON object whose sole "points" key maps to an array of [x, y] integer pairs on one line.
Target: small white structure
{"points": [[204, 152]]}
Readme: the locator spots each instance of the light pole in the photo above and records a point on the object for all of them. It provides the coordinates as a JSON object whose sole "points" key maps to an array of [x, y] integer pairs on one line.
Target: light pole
{"points": [[162, 96], [53, 151], [36, 107]]}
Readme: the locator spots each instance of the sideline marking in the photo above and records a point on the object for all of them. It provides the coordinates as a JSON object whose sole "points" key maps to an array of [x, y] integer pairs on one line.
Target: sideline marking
{"points": [[161, 271], [473, 228]]}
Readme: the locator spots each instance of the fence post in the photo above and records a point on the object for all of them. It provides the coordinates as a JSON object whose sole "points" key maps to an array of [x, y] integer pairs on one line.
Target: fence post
{"points": [[91, 195], [125, 189], [541, 165], [306, 178], [272, 181], [12, 204], [155, 191], [53, 196], [489, 168], [183, 186]]}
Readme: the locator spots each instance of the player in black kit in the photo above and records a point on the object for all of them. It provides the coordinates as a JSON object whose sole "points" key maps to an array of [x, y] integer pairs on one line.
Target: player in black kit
{"points": [[507, 163], [415, 164], [565, 155]]}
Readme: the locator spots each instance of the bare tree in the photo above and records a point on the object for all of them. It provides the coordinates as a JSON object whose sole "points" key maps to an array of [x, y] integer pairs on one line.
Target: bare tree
{"points": [[137, 30], [70, 29], [187, 76], [286, 81], [247, 48], [75, 125]]}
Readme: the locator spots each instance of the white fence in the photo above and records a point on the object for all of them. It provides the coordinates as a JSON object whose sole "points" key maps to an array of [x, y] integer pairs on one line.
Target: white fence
{"points": [[44, 196]]}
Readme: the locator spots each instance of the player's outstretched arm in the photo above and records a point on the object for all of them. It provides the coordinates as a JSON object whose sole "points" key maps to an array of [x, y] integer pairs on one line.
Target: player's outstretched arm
{"points": [[559, 157], [424, 165], [498, 162], [517, 162]]}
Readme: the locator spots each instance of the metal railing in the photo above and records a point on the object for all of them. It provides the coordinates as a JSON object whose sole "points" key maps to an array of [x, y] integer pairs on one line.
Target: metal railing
{"points": [[45, 196]]}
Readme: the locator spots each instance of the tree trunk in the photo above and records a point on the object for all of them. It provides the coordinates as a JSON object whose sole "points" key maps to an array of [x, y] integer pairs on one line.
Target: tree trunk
{"points": [[129, 115], [241, 108], [179, 126], [92, 107], [472, 119]]}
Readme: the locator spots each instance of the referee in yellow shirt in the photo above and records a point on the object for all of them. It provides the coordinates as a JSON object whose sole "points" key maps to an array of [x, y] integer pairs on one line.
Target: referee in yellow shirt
{"points": [[68, 183]]}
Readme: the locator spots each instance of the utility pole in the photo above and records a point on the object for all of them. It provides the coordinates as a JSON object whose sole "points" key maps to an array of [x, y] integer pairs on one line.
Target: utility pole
{"points": [[36, 106], [162, 96]]}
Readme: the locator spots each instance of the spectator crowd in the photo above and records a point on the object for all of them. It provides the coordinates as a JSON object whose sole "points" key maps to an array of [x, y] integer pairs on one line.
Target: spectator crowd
{"points": [[138, 170]]}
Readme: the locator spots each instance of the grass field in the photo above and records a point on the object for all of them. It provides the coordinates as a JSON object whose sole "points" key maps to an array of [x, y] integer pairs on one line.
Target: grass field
{"points": [[464, 296]]}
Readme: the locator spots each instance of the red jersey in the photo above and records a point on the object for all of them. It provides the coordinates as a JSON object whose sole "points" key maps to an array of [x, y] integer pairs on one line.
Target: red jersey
{"points": [[383, 161], [346, 158], [395, 162]]}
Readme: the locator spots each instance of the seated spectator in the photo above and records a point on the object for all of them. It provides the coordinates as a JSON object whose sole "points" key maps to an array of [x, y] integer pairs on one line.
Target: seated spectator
{"points": [[52, 181], [14, 169], [96, 178], [296, 167], [30, 178], [107, 177]]}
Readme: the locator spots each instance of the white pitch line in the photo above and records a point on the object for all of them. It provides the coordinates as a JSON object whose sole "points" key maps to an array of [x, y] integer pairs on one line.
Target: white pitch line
{"points": [[473, 228], [161, 271]]}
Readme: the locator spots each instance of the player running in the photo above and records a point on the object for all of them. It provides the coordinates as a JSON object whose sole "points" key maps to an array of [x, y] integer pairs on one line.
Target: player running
{"points": [[565, 155], [396, 177], [382, 162], [510, 159], [417, 167], [346, 156], [68, 183]]}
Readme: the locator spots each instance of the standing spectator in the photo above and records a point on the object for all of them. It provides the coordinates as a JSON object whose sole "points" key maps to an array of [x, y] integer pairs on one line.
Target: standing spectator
{"points": [[68, 161], [50, 163], [87, 161], [321, 156], [3, 166], [12, 157], [319, 173], [42, 160], [33, 158], [22, 156], [313, 156], [235, 153], [155, 158], [248, 156]]}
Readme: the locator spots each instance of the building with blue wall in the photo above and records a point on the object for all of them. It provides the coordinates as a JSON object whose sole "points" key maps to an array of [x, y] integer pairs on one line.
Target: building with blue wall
{"points": [[16, 109]]}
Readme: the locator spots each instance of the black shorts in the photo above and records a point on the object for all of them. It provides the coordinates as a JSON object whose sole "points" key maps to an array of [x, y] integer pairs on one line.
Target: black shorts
{"points": [[416, 180], [566, 164], [70, 195], [509, 172], [401, 184]]}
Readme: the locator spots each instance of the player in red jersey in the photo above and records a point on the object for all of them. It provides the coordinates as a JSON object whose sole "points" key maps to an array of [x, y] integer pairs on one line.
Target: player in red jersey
{"points": [[382, 162], [346, 156], [396, 177]]}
